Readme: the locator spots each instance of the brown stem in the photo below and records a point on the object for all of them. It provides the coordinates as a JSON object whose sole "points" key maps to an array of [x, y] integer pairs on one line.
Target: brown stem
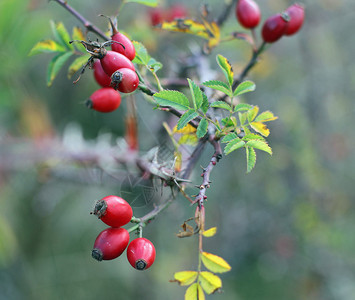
{"points": [[88, 25], [225, 13]]}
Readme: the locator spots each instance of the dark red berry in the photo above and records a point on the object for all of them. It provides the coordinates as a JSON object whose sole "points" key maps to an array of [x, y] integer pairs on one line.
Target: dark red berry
{"points": [[248, 13], [112, 61], [100, 76], [110, 243], [113, 211], [296, 13], [104, 100], [274, 27], [129, 51], [141, 253], [176, 11], [156, 16], [125, 80]]}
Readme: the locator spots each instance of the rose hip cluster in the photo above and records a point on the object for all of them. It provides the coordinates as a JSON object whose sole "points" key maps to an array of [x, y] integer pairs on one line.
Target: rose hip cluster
{"points": [[111, 242], [286, 23], [113, 71]]}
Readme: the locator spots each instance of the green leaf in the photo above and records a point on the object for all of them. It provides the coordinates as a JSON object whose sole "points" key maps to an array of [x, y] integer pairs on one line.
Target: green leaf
{"points": [[242, 106], [252, 136], [251, 158], [172, 98], [142, 57], [209, 232], [219, 86], [242, 118], [196, 94], [244, 87], [61, 34], [151, 3], [55, 65], [261, 145], [154, 65], [221, 104], [77, 64], [265, 116], [229, 137], [205, 105], [194, 292], [215, 263], [202, 128], [226, 68], [210, 282], [185, 277], [252, 113], [233, 145], [186, 118], [46, 46]]}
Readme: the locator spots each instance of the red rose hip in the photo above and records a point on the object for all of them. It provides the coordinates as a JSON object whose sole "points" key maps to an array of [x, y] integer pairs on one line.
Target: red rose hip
{"points": [[274, 27], [100, 76], [141, 253], [104, 100], [248, 13], [129, 51], [113, 211], [296, 13], [110, 243], [125, 80], [112, 61]]}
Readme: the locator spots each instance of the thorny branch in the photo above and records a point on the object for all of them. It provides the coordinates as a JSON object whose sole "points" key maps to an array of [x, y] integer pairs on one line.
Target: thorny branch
{"points": [[149, 166]]}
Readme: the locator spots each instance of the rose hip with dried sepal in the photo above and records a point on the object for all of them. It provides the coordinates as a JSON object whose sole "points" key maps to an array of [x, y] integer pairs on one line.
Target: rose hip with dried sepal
{"points": [[110, 243], [274, 27], [141, 253], [125, 80], [104, 100], [123, 44], [296, 14], [113, 211]]}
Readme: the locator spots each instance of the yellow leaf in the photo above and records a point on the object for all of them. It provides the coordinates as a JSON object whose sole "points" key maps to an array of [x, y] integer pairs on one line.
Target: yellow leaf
{"points": [[207, 30], [210, 232], [260, 127], [215, 263], [188, 139], [46, 46], [194, 292], [210, 282], [178, 161], [188, 129], [252, 113], [185, 277]]}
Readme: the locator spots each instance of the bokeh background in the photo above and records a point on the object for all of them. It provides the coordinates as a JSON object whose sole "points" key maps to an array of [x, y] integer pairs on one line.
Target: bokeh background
{"points": [[287, 228]]}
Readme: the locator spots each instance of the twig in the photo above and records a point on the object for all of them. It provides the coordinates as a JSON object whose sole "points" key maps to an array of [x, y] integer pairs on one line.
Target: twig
{"points": [[88, 25], [225, 13]]}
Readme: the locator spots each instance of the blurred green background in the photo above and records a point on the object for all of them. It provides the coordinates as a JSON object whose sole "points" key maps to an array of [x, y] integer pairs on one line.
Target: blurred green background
{"points": [[287, 228]]}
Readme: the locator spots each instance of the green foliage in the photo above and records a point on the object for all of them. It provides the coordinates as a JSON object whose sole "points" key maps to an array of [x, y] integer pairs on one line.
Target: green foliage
{"points": [[143, 58], [63, 50], [248, 115]]}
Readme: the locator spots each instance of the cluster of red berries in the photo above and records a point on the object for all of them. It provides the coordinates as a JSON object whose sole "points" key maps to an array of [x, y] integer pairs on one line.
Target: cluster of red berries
{"points": [[159, 15], [113, 70], [286, 23], [111, 242]]}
